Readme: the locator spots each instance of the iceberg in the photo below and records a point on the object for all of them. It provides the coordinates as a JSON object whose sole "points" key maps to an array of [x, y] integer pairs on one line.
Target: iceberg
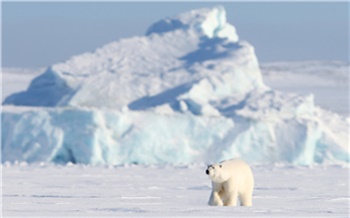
{"points": [[188, 91], [204, 45]]}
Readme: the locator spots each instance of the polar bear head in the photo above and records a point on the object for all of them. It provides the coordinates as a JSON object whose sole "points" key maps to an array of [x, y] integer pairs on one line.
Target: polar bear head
{"points": [[217, 173]]}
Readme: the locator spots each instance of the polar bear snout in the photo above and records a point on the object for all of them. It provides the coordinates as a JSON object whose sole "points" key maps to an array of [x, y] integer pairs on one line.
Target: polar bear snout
{"points": [[208, 168]]}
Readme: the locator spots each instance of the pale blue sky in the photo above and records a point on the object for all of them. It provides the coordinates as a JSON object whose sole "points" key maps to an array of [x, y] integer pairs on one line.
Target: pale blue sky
{"points": [[41, 34]]}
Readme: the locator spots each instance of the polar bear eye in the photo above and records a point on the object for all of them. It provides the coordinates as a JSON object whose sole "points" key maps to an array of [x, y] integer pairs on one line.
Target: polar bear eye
{"points": [[220, 166]]}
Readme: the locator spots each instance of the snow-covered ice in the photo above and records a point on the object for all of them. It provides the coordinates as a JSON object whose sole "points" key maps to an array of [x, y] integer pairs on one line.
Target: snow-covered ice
{"points": [[162, 191], [328, 81], [180, 60]]}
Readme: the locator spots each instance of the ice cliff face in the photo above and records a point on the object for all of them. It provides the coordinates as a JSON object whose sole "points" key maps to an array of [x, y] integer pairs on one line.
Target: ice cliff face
{"points": [[109, 136], [102, 136], [188, 91]]}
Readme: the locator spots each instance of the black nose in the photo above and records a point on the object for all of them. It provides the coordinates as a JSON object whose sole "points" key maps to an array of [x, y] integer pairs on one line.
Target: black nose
{"points": [[207, 172]]}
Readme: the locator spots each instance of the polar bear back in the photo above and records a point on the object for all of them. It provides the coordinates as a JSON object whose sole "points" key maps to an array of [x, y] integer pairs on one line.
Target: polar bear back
{"points": [[240, 173]]}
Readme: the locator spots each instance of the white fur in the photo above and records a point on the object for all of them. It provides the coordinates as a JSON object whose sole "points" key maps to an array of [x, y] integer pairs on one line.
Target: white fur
{"points": [[231, 179]]}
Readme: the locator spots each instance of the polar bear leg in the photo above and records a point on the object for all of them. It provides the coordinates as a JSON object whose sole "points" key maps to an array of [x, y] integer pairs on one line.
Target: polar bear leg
{"points": [[246, 199], [215, 199], [216, 194], [231, 199]]}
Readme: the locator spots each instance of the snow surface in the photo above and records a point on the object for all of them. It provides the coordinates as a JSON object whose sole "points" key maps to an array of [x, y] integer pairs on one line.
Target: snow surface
{"points": [[164, 191], [188, 91]]}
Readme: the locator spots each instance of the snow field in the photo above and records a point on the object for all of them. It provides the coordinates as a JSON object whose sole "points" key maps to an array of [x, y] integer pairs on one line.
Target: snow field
{"points": [[149, 191]]}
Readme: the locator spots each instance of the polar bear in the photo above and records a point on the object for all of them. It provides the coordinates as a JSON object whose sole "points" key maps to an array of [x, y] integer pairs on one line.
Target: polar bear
{"points": [[231, 179]]}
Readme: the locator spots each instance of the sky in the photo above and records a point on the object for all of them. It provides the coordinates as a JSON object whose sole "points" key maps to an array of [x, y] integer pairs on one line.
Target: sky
{"points": [[44, 33]]}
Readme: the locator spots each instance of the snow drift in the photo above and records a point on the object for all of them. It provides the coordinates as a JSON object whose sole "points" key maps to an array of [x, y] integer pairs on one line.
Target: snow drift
{"points": [[188, 91]]}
